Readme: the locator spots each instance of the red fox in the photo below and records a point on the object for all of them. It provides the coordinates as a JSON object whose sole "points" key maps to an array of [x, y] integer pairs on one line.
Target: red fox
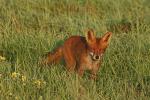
{"points": [[81, 53]]}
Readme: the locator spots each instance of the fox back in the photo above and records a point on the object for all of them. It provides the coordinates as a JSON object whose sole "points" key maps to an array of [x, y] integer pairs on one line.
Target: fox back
{"points": [[81, 53]]}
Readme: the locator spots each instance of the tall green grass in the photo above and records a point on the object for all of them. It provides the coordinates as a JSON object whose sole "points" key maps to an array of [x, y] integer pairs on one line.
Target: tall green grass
{"points": [[30, 28]]}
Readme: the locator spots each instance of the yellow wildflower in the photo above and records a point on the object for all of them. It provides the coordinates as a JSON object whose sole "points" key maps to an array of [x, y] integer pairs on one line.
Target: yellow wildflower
{"points": [[14, 75], [16, 98], [39, 83], [2, 58], [10, 94], [23, 78]]}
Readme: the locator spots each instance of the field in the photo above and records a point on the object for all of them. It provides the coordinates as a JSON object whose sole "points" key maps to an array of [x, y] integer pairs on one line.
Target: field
{"points": [[31, 28]]}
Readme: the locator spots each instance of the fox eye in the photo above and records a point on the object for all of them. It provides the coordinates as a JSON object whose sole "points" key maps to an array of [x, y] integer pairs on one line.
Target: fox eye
{"points": [[91, 53]]}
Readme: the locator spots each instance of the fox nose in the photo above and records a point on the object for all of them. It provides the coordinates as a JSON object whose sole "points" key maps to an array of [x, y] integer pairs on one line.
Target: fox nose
{"points": [[97, 57]]}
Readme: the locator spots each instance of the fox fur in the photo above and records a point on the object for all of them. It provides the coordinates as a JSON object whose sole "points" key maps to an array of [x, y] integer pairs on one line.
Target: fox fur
{"points": [[81, 53]]}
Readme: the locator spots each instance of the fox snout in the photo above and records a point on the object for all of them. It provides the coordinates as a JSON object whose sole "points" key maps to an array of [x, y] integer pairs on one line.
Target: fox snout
{"points": [[96, 57]]}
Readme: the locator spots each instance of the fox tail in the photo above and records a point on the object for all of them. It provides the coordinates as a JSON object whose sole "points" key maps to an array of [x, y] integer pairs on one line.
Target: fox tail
{"points": [[53, 57]]}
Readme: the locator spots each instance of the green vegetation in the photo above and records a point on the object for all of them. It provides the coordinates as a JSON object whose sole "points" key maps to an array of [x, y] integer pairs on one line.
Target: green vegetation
{"points": [[30, 28]]}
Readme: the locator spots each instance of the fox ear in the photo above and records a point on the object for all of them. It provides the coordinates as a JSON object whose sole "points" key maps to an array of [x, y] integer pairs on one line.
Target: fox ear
{"points": [[90, 36], [106, 37]]}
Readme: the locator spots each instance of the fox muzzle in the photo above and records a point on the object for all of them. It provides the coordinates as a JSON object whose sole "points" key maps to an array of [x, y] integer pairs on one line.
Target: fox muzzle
{"points": [[95, 57]]}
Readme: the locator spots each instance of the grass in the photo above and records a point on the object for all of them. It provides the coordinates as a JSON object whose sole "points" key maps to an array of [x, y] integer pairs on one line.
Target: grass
{"points": [[30, 28]]}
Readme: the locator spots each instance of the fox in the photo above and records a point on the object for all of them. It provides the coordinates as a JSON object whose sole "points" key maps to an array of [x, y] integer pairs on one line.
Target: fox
{"points": [[81, 53]]}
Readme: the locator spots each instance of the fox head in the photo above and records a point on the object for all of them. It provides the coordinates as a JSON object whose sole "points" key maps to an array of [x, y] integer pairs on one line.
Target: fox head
{"points": [[97, 46]]}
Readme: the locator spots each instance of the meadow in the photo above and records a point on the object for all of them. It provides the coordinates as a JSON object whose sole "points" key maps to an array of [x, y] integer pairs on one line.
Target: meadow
{"points": [[31, 28]]}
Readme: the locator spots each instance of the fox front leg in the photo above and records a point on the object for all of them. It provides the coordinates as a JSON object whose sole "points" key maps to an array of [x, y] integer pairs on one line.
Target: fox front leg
{"points": [[94, 71], [80, 71], [93, 75]]}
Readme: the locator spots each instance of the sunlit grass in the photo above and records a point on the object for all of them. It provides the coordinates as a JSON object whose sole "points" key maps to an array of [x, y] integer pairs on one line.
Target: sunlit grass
{"points": [[30, 28]]}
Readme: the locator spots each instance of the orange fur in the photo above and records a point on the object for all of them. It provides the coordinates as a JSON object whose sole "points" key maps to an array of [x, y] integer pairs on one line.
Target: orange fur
{"points": [[81, 53]]}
